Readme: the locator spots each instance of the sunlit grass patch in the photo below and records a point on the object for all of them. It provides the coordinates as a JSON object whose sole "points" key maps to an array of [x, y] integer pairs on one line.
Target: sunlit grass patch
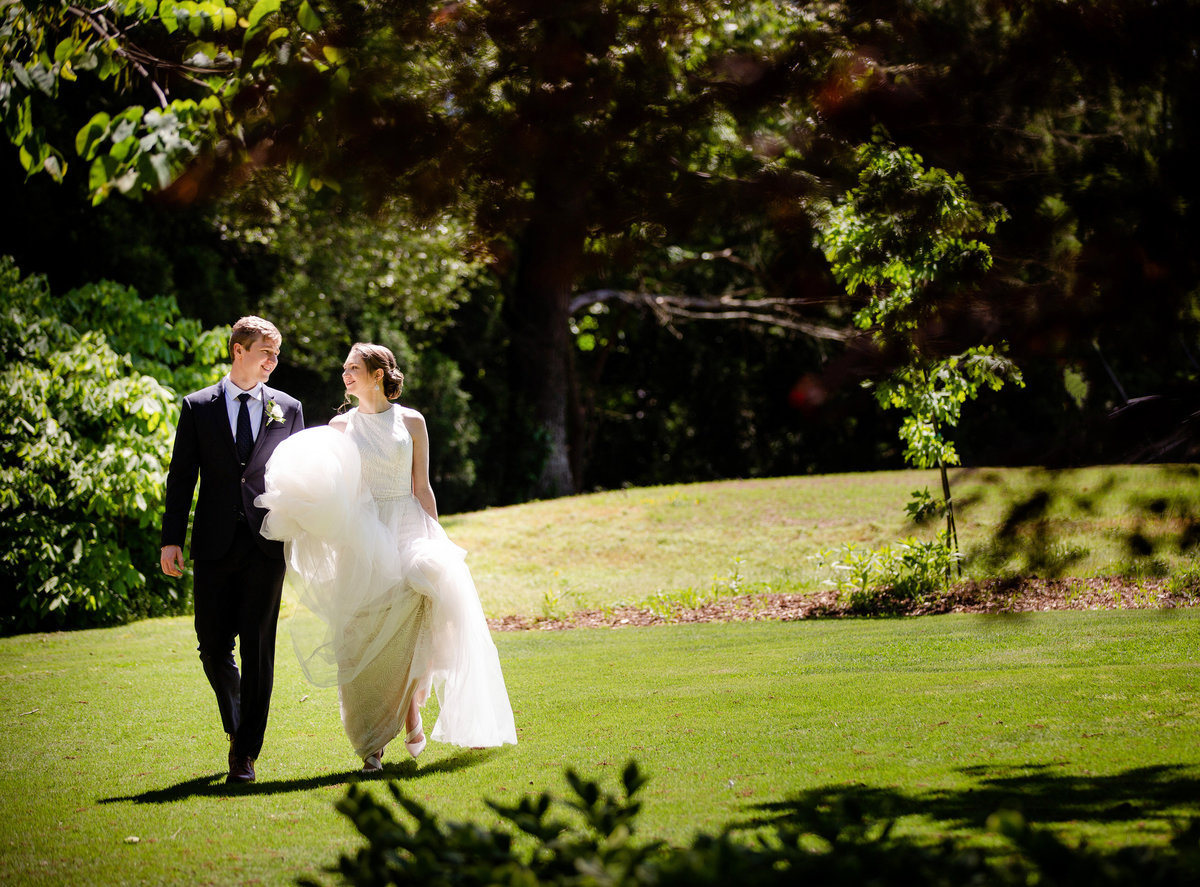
{"points": [[627, 545]]}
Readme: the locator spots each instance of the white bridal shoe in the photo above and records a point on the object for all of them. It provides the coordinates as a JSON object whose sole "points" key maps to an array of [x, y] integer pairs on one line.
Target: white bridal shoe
{"points": [[374, 763], [415, 748]]}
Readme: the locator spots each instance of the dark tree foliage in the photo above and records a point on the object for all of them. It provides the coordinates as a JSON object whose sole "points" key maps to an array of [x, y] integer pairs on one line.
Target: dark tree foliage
{"points": [[1077, 118], [564, 123], [550, 124]]}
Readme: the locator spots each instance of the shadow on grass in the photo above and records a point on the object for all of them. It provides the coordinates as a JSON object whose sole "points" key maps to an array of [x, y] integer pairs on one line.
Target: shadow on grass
{"points": [[1046, 525], [214, 785], [1166, 793]]}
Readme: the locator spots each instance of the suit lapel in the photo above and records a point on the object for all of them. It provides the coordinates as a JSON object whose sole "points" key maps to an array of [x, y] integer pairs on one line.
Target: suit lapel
{"points": [[267, 396]]}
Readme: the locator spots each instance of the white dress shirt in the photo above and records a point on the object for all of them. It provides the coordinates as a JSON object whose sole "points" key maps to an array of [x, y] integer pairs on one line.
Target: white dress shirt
{"points": [[254, 404]]}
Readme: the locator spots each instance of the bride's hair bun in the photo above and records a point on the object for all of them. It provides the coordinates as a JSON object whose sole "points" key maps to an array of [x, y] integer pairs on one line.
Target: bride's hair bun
{"points": [[393, 382], [377, 357]]}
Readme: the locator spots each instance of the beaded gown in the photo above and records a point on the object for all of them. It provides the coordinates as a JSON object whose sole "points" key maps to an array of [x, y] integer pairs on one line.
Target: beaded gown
{"points": [[387, 609]]}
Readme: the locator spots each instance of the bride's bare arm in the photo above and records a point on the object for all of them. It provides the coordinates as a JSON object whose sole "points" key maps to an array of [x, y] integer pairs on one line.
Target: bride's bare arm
{"points": [[422, 489], [339, 423]]}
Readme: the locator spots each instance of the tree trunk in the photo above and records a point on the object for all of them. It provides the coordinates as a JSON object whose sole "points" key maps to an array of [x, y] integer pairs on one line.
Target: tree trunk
{"points": [[951, 525], [549, 256]]}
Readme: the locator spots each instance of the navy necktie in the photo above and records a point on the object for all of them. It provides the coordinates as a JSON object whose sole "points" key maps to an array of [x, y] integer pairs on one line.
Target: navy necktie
{"points": [[245, 437]]}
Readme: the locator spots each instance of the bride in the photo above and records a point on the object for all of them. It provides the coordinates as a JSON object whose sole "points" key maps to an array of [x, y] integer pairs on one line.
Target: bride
{"points": [[388, 610]]}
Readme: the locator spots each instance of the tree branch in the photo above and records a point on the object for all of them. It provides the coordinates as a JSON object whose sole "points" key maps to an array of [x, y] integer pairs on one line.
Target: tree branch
{"points": [[669, 308], [141, 60]]}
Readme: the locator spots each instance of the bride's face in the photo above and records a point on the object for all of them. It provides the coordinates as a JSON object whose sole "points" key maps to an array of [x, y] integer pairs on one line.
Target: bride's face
{"points": [[355, 376]]}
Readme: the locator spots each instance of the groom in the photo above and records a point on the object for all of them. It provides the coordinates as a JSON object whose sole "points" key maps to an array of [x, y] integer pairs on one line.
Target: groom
{"points": [[225, 436]]}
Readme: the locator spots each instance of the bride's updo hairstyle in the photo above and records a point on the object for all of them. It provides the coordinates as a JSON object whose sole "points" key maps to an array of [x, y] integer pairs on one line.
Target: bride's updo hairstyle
{"points": [[376, 357]]}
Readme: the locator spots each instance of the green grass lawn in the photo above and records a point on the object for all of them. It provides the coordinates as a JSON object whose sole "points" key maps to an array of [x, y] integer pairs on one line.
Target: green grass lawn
{"points": [[1087, 721], [113, 761]]}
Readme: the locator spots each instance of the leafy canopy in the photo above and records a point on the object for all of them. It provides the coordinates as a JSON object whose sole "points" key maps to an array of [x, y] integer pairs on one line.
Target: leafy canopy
{"points": [[348, 89]]}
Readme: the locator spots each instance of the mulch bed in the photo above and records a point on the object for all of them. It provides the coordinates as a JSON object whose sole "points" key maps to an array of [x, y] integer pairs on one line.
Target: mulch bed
{"points": [[990, 596]]}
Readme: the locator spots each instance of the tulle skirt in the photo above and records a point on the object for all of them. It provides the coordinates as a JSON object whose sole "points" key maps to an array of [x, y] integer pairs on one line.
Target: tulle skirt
{"points": [[386, 606]]}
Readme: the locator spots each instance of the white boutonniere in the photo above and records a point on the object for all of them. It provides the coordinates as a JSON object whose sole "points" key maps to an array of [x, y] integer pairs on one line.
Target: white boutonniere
{"points": [[274, 413]]}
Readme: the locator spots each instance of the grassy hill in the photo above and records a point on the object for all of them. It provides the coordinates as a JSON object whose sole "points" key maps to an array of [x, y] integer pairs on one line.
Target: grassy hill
{"points": [[623, 546]]}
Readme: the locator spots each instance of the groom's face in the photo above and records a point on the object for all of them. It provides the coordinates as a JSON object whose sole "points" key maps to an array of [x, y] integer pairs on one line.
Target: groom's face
{"points": [[258, 360]]}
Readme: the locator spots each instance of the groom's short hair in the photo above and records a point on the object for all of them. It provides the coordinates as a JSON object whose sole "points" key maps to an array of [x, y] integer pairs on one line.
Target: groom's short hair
{"points": [[250, 329]]}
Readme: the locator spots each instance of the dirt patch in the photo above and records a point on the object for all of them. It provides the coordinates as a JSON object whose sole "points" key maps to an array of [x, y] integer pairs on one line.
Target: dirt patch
{"points": [[991, 596]]}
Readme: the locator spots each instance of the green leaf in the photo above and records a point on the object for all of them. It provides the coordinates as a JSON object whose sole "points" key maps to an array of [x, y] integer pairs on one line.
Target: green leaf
{"points": [[43, 78], [91, 134], [155, 168], [101, 172], [133, 112], [262, 9], [54, 166], [22, 75], [32, 155], [64, 50], [308, 18], [110, 66], [21, 124], [122, 150], [126, 181]]}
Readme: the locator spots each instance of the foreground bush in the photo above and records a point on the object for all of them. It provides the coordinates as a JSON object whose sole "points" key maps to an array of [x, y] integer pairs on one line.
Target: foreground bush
{"points": [[826, 843]]}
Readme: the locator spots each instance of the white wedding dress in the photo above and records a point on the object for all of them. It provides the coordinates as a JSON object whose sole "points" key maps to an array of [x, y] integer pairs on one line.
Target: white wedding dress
{"points": [[387, 608]]}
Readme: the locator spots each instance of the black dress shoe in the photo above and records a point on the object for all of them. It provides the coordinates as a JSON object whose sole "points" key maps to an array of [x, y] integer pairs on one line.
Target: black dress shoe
{"points": [[241, 770]]}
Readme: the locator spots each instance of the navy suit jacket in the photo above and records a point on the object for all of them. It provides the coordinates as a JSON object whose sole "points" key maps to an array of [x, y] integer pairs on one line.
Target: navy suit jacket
{"points": [[204, 449]]}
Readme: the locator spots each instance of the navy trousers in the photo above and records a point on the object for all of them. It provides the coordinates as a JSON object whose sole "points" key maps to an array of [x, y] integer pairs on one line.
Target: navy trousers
{"points": [[238, 596]]}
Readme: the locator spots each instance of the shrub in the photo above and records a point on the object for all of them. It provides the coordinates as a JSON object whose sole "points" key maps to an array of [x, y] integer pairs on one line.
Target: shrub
{"points": [[827, 841], [1185, 582], [876, 580], [87, 414]]}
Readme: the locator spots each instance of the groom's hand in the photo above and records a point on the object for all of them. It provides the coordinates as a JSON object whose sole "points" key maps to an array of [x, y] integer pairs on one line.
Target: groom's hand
{"points": [[171, 560]]}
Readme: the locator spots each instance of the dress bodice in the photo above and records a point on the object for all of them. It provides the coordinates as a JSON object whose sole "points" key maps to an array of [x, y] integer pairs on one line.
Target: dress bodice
{"points": [[386, 450]]}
